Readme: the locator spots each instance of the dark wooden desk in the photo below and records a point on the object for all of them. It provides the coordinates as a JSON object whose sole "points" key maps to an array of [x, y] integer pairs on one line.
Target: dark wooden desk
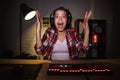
{"points": [[114, 65]]}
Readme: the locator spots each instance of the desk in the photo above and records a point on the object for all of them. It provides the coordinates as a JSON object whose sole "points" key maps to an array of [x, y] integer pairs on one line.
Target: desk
{"points": [[114, 65]]}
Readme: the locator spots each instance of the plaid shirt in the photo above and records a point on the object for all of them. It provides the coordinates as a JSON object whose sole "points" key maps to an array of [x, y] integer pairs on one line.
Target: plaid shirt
{"points": [[74, 43]]}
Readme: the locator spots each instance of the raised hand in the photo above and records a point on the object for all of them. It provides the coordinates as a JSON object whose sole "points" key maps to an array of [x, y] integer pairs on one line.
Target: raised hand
{"points": [[85, 22], [87, 16]]}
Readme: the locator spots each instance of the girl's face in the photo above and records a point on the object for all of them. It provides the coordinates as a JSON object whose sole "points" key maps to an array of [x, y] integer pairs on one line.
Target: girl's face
{"points": [[60, 20]]}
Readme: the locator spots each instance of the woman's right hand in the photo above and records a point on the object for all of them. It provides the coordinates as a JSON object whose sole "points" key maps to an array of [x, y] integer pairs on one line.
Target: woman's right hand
{"points": [[38, 20]]}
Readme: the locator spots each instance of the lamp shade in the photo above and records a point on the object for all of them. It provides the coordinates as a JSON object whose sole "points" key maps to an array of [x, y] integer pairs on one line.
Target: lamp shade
{"points": [[28, 12]]}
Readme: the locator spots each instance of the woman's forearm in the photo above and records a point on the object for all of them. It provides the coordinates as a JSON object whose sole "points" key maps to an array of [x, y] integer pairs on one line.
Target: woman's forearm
{"points": [[38, 31], [86, 35], [86, 39], [38, 39]]}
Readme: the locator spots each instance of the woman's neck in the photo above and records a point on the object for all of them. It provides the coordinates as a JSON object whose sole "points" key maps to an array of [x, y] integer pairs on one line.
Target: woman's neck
{"points": [[61, 32], [61, 35]]}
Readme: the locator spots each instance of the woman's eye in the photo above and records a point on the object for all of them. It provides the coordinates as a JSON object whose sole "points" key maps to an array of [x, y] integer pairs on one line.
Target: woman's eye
{"points": [[56, 16], [64, 16]]}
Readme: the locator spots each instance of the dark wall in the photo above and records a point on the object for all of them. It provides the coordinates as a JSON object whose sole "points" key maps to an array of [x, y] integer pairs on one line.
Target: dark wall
{"points": [[116, 30], [9, 25]]}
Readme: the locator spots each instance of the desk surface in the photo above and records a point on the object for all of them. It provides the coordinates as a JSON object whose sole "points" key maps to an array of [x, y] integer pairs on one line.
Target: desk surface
{"points": [[114, 65]]}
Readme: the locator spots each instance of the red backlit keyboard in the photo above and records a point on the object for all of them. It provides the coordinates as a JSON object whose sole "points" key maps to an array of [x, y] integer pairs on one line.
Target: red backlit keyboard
{"points": [[75, 69]]}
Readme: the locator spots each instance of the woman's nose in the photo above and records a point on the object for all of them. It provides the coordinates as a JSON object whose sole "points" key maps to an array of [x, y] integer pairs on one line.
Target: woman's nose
{"points": [[60, 19]]}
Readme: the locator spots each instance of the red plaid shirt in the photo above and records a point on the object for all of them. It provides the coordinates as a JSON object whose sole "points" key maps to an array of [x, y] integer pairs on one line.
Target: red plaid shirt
{"points": [[74, 43]]}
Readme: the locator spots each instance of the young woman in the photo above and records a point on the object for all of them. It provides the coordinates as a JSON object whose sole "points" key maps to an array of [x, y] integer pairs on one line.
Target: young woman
{"points": [[61, 41]]}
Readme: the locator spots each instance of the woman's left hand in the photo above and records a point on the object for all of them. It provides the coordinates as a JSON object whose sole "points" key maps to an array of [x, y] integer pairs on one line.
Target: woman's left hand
{"points": [[85, 22]]}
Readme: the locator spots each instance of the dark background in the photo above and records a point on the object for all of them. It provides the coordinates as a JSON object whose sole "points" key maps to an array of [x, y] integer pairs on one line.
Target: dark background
{"points": [[10, 19]]}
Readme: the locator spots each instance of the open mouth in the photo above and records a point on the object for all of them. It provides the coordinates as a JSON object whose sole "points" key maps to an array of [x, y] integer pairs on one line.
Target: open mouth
{"points": [[60, 25]]}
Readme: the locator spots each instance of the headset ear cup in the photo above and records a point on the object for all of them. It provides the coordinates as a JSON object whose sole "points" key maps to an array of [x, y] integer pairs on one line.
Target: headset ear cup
{"points": [[69, 16], [51, 20], [69, 20]]}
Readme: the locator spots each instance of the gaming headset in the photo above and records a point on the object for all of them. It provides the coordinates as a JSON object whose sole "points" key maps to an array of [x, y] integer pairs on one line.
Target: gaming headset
{"points": [[69, 18]]}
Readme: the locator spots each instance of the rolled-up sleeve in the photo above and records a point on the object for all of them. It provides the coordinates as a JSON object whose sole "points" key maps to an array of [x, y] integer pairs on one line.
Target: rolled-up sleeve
{"points": [[42, 49], [79, 44]]}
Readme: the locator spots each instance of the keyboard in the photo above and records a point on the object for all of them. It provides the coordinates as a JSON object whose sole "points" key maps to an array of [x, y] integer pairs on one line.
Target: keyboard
{"points": [[78, 69]]}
